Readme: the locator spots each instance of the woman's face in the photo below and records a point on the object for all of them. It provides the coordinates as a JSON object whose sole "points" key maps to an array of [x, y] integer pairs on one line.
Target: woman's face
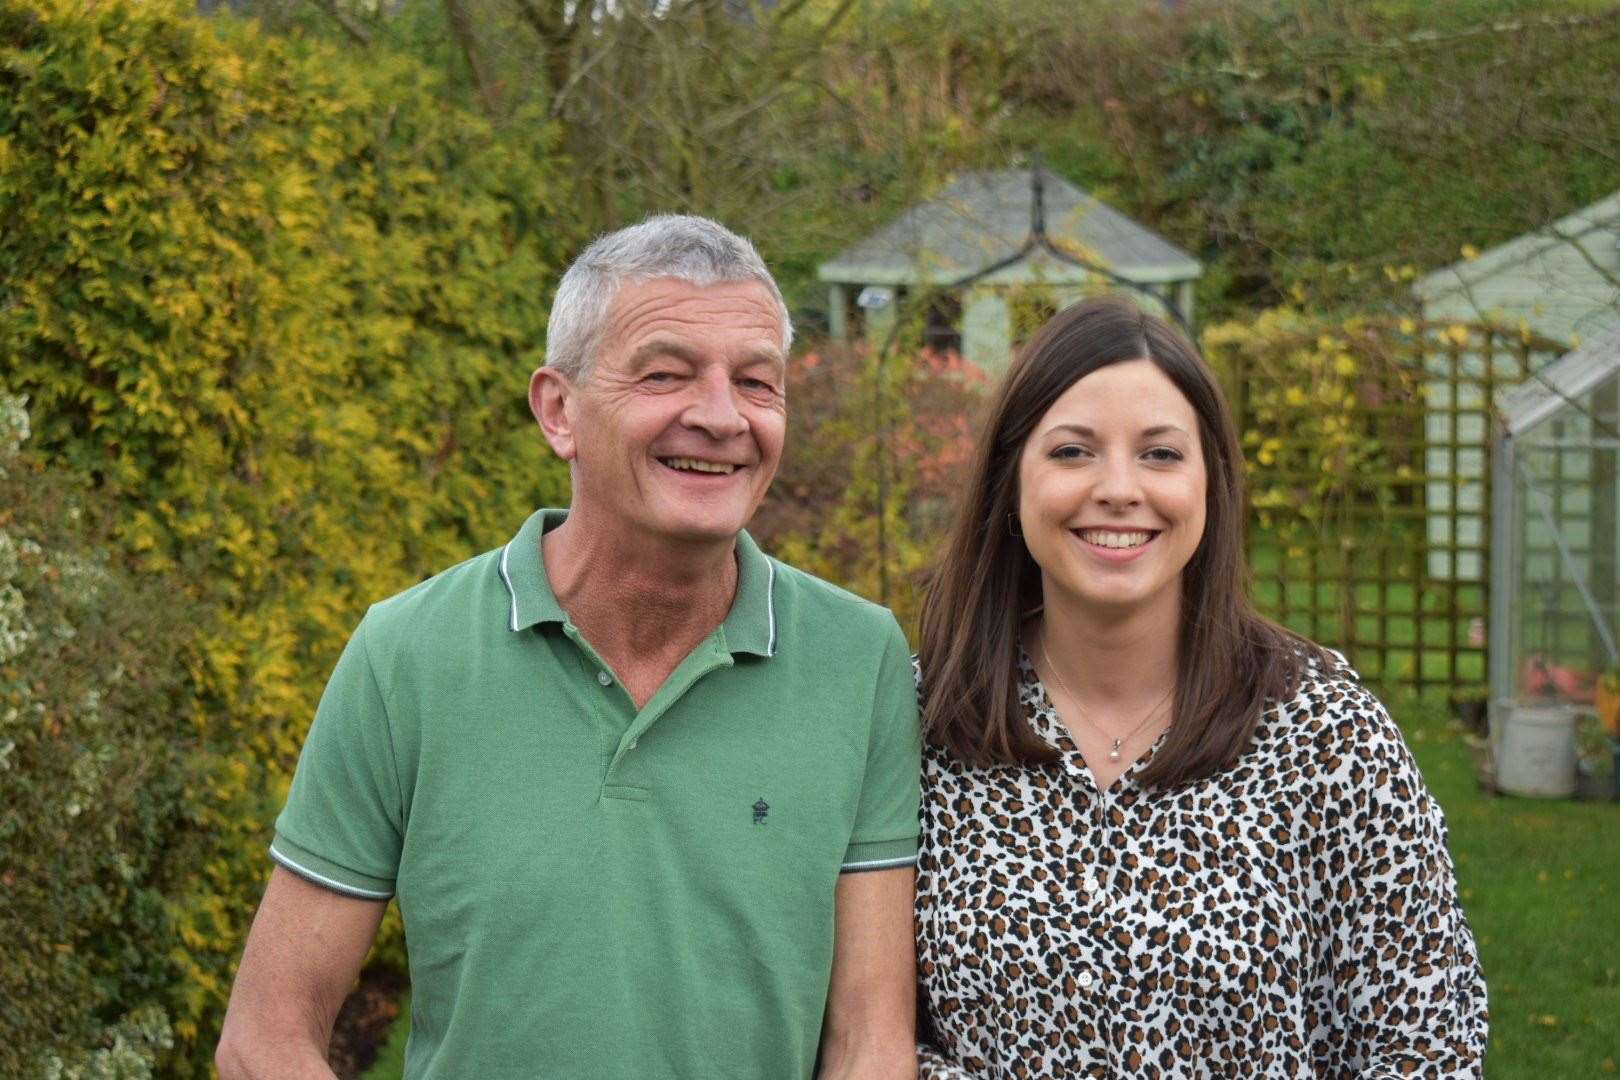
{"points": [[1111, 489]]}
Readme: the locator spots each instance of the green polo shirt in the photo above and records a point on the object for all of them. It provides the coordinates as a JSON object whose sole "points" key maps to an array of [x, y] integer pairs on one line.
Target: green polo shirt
{"points": [[595, 891]]}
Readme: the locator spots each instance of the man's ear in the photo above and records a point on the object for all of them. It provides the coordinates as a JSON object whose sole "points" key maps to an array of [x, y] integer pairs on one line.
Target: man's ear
{"points": [[550, 393]]}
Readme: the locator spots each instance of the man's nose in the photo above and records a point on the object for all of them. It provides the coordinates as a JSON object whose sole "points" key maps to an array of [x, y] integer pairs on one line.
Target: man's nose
{"points": [[713, 407]]}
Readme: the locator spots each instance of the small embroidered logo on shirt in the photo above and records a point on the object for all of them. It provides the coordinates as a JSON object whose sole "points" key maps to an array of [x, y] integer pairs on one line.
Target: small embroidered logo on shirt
{"points": [[761, 808]]}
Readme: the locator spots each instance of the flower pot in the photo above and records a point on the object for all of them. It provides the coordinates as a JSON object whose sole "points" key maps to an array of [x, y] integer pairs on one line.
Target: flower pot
{"points": [[1535, 749]]}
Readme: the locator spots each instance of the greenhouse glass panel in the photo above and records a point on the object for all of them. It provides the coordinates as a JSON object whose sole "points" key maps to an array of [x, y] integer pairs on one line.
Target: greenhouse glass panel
{"points": [[1555, 601]]}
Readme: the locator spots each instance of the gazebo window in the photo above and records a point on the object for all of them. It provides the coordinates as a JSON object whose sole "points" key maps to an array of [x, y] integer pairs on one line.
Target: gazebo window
{"points": [[942, 325]]}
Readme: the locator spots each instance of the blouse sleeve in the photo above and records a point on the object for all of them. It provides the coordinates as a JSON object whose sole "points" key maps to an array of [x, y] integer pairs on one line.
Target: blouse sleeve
{"points": [[1405, 994], [932, 1065]]}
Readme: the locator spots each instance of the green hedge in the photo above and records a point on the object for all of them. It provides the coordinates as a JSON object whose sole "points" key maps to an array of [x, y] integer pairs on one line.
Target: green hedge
{"points": [[278, 303], [94, 749]]}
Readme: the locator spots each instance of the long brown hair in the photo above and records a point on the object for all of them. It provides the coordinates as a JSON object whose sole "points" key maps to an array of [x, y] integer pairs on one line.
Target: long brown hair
{"points": [[1232, 661]]}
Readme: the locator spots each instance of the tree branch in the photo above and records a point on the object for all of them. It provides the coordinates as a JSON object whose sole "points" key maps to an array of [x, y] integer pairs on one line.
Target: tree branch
{"points": [[356, 31], [462, 29]]}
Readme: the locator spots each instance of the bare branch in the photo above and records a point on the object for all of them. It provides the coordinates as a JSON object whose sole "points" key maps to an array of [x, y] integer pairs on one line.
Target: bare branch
{"points": [[350, 26], [462, 29]]}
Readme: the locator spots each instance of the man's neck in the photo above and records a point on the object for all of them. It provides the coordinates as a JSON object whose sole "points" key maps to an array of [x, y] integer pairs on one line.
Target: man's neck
{"points": [[642, 605]]}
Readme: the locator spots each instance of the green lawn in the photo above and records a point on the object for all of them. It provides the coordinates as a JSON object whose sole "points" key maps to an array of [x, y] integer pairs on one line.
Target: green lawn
{"points": [[390, 1063], [1541, 884], [1540, 881]]}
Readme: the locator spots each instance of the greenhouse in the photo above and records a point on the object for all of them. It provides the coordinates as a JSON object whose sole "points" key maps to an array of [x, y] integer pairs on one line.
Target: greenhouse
{"points": [[1555, 660]]}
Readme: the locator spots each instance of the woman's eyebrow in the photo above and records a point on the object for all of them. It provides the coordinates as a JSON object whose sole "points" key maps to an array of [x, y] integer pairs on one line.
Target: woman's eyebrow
{"points": [[1087, 433]]}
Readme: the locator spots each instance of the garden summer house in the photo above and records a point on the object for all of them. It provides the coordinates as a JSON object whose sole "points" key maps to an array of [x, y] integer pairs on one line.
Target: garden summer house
{"points": [[993, 255], [1560, 282]]}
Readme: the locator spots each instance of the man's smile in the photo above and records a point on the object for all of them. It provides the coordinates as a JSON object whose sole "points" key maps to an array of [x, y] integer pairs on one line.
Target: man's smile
{"points": [[699, 465]]}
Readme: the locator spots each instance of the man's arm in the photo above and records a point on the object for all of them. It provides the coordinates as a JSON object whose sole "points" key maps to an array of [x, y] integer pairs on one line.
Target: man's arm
{"points": [[871, 1002], [303, 955]]}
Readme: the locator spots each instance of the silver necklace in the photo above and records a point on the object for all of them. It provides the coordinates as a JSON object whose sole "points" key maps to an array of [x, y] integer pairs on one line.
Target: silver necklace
{"points": [[1113, 752]]}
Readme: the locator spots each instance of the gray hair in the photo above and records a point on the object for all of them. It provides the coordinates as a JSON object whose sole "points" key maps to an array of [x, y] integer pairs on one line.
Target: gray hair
{"points": [[681, 246]]}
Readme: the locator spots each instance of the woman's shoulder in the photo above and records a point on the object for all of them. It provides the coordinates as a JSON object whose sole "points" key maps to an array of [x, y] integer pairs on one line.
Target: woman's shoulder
{"points": [[1334, 731]]}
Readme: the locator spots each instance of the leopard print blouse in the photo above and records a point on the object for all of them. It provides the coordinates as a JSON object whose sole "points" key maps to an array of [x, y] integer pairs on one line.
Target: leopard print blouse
{"points": [[1294, 915]]}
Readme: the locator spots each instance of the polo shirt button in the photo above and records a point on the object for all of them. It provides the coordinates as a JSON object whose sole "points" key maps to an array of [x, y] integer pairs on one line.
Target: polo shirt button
{"points": [[604, 678], [1086, 979]]}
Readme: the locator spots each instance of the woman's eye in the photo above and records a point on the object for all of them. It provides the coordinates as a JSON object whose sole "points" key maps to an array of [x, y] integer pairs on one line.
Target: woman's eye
{"points": [[1164, 454], [1069, 452]]}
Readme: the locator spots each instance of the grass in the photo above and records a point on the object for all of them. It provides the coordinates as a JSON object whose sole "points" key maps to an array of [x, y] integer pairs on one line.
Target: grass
{"points": [[390, 1063], [1540, 882]]}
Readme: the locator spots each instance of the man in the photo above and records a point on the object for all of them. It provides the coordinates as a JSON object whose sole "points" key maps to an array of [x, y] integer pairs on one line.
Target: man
{"points": [[647, 798]]}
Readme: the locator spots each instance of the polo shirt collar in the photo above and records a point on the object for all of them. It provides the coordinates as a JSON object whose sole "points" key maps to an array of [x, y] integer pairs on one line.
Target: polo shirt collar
{"points": [[530, 599], [750, 626]]}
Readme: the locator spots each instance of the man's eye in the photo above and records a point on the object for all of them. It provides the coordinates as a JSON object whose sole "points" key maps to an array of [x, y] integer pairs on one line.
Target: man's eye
{"points": [[658, 376], [758, 384]]}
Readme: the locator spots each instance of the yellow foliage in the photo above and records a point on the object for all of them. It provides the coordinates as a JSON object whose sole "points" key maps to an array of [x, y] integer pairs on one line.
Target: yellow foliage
{"points": [[282, 303]]}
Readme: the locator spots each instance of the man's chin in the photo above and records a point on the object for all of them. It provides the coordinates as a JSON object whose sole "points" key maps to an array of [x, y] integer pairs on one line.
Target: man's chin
{"points": [[704, 529]]}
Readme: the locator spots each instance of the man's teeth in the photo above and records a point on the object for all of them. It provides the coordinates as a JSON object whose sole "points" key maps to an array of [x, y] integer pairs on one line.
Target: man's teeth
{"points": [[1115, 539], [695, 465]]}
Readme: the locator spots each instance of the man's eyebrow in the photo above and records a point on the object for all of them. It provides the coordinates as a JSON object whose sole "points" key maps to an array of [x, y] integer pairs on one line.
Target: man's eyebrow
{"points": [[662, 347], [657, 347], [767, 356]]}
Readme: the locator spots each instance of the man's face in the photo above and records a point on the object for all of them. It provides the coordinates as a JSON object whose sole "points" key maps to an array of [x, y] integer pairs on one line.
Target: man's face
{"points": [[677, 426]]}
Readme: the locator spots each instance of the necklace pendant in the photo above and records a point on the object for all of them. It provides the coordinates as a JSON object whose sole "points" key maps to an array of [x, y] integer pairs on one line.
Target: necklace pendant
{"points": [[1113, 755]]}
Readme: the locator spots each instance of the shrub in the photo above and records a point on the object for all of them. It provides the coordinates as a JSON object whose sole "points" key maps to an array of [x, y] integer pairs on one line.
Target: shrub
{"points": [[93, 769], [279, 303], [849, 417]]}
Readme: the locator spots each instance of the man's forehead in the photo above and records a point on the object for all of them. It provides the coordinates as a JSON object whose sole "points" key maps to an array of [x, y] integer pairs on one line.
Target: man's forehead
{"points": [[675, 309]]}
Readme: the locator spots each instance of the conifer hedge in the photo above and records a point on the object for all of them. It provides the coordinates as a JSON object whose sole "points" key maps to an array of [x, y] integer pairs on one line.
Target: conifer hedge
{"points": [[278, 304]]}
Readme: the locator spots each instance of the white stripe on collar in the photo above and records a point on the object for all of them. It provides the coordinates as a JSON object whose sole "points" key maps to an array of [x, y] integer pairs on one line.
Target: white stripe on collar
{"points": [[506, 578], [770, 602]]}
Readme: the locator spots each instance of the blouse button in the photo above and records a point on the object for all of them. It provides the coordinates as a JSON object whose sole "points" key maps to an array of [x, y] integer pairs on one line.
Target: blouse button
{"points": [[1085, 979], [1092, 885]]}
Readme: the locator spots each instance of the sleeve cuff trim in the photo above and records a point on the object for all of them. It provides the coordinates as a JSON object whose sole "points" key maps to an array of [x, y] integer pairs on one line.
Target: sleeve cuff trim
{"points": [[330, 883], [878, 864]]}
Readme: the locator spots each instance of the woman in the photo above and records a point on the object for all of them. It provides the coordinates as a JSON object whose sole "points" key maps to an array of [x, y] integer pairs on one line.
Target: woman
{"points": [[1162, 837]]}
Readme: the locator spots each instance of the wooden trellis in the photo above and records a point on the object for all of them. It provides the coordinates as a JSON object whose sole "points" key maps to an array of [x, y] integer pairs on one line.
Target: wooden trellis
{"points": [[1378, 547]]}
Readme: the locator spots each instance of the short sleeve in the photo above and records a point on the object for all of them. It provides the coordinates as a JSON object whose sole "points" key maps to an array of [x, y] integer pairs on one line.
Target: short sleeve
{"points": [[885, 833], [1407, 994], [343, 821]]}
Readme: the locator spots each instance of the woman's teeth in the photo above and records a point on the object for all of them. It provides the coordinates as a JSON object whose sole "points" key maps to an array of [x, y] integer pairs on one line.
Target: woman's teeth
{"points": [[1115, 539], [694, 465]]}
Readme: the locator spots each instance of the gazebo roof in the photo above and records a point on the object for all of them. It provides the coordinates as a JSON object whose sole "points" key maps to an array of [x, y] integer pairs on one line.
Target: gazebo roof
{"points": [[981, 218], [1569, 377]]}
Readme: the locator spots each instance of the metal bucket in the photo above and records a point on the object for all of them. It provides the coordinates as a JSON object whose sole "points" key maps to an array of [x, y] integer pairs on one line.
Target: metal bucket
{"points": [[1535, 749]]}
